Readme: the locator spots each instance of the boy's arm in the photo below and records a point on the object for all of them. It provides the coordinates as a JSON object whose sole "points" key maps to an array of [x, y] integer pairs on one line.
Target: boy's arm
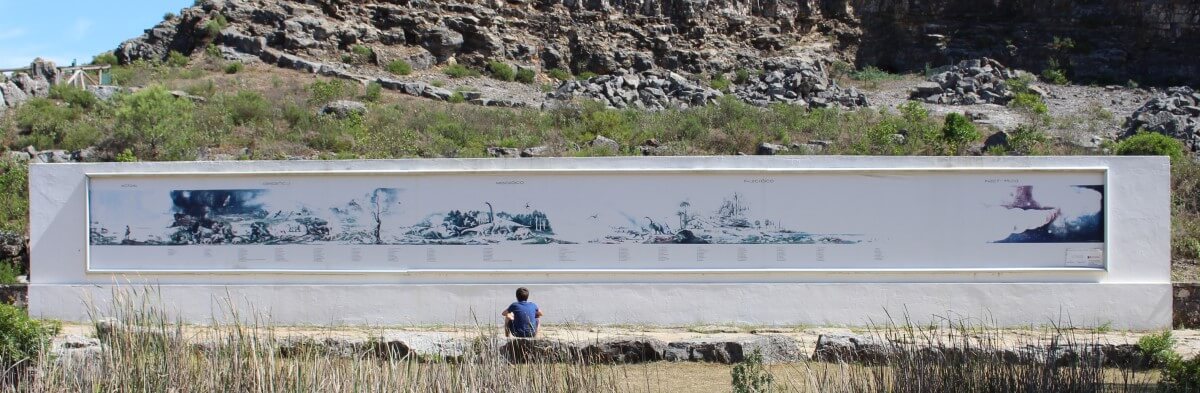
{"points": [[507, 313], [539, 313]]}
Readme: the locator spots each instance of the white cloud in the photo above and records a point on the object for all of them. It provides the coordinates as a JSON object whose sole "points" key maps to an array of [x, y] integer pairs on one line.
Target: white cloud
{"points": [[8, 34]]}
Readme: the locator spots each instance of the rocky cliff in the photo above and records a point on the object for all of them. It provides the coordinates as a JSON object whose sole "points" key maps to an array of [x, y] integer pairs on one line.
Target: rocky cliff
{"points": [[1152, 41]]}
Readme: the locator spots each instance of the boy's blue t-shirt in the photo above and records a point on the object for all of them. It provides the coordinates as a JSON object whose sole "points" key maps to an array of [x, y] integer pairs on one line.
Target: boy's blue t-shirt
{"points": [[524, 322]]}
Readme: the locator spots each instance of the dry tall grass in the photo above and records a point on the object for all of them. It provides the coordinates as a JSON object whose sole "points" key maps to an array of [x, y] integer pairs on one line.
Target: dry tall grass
{"points": [[147, 351]]}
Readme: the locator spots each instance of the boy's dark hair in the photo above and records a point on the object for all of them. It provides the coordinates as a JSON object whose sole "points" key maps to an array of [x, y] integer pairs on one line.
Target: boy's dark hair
{"points": [[522, 294]]}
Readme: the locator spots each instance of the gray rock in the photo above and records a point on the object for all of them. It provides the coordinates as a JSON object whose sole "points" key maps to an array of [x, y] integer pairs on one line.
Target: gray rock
{"points": [[770, 149], [628, 351], [33, 87], [775, 349], [503, 152], [847, 348], [604, 143], [12, 94], [536, 151], [997, 140], [443, 43], [342, 109], [104, 93]]}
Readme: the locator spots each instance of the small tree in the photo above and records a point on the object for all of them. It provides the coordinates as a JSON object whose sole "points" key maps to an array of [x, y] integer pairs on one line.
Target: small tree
{"points": [[958, 130], [153, 117]]}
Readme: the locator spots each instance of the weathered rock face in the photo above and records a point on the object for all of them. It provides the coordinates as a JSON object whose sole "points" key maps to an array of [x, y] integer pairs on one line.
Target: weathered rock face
{"points": [[1151, 41], [1175, 113]]}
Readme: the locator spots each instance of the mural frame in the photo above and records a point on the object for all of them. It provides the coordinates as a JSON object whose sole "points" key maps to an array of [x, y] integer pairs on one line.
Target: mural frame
{"points": [[1089, 270]]}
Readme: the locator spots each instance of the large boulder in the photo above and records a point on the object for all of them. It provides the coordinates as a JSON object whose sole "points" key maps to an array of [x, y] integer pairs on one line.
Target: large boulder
{"points": [[632, 350], [342, 109], [852, 348], [443, 43]]}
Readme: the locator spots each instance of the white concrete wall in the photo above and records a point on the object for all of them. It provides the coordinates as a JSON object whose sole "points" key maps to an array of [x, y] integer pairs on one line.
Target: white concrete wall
{"points": [[1134, 292]]}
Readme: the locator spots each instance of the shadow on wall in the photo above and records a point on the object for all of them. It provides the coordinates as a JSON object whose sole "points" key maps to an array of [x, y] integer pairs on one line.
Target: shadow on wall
{"points": [[1105, 41]]}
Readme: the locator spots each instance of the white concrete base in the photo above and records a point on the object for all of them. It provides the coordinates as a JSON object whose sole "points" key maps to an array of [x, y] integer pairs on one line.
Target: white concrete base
{"points": [[821, 304]]}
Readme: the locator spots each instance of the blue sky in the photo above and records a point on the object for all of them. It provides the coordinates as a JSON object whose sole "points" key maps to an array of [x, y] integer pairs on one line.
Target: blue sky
{"points": [[62, 30]]}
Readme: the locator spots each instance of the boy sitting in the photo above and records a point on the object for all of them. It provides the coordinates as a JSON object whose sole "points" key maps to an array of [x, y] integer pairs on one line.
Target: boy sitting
{"points": [[521, 317]]}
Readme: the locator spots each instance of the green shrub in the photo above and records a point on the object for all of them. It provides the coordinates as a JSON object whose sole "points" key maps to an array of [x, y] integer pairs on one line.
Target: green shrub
{"points": [[585, 75], [14, 196], [126, 156], [958, 129], [214, 26], [873, 74], [913, 111], [74, 96], [559, 73], [1180, 376], [212, 51], [154, 121], [750, 376], [720, 83], [362, 50], [501, 70], [106, 58], [325, 91], [246, 107], [176, 59], [8, 273], [838, 69], [1054, 73], [1027, 140], [1020, 84], [1029, 102], [1055, 76], [1151, 144], [44, 123], [741, 76], [374, 92], [459, 71], [457, 98], [399, 67], [1159, 348], [22, 339], [525, 75], [169, 16], [361, 54], [234, 67]]}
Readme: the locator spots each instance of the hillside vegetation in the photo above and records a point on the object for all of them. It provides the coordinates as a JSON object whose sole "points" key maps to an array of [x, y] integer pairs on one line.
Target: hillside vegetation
{"points": [[201, 112]]}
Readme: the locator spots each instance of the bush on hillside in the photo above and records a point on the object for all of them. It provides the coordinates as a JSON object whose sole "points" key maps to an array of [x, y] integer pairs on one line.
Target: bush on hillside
{"points": [[958, 129], [155, 122], [526, 75], [1150, 144], [459, 71], [176, 59], [399, 67], [501, 70]]}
